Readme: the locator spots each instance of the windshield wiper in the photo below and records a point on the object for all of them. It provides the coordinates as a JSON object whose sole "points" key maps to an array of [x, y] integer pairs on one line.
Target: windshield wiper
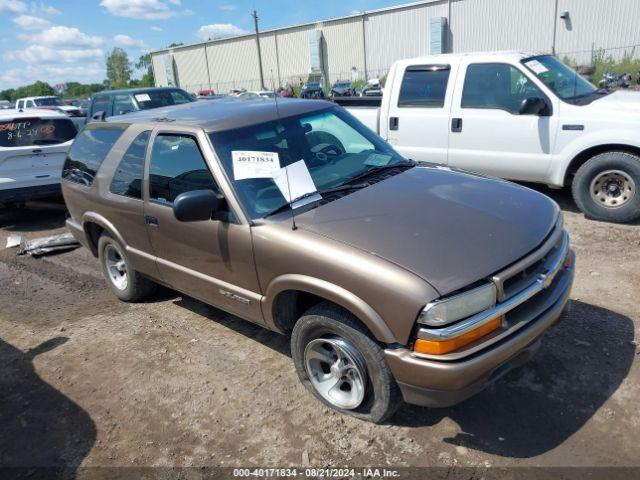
{"points": [[371, 171], [341, 188]]}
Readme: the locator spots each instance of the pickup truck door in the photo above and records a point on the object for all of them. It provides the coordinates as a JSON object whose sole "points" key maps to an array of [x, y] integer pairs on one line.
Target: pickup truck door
{"points": [[211, 260], [417, 113], [488, 134]]}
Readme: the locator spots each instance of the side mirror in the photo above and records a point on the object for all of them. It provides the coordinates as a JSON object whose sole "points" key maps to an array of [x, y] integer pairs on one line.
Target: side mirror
{"points": [[533, 106], [99, 116], [196, 206]]}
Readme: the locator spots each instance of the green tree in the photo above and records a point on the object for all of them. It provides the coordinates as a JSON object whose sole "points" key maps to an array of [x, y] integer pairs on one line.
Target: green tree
{"points": [[118, 68], [36, 89], [144, 64]]}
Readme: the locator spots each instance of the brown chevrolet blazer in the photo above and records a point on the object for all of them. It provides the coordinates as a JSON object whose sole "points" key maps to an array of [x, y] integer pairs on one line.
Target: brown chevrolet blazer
{"points": [[395, 279]]}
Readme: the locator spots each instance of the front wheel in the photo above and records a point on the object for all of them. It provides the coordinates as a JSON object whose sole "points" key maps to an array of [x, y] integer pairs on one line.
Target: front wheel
{"points": [[341, 364], [606, 187]]}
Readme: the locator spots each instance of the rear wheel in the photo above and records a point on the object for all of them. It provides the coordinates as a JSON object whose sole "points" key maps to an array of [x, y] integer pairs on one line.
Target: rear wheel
{"points": [[122, 278], [606, 187], [338, 360]]}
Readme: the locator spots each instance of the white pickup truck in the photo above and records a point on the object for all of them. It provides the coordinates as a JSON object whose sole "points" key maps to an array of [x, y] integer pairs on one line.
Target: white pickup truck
{"points": [[519, 116]]}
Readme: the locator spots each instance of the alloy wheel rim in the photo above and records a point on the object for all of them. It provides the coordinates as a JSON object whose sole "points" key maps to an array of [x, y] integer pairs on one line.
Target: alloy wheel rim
{"points": [[336, 370], [116, 267], [612, 188]]}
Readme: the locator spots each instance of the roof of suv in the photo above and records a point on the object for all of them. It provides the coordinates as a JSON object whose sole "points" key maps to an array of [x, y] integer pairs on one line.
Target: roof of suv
{"points": [[133, 90], [223, 114]]}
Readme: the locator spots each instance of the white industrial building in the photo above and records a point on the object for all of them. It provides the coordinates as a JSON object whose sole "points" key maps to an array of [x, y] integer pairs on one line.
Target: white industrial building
{"points": [[364, 45]]}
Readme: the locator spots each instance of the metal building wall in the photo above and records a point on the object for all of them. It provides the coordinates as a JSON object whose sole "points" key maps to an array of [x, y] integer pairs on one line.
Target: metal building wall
{"points": [[402, 33], [392, 34]]}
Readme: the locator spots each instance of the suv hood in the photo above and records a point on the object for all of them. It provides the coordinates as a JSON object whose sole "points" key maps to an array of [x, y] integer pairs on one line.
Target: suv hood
{"points": [[449, 228]]}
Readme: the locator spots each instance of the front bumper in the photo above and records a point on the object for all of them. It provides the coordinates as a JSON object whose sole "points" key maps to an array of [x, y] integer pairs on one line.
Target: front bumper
{"points": [[437, 383]]}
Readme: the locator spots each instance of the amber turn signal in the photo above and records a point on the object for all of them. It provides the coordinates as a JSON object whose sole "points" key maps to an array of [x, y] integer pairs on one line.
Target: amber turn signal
{"points": [[440, 347], [568, 260]]}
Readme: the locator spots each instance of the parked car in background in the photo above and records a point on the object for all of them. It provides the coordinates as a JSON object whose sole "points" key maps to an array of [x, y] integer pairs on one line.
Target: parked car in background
{"points": [[81, 103], [398, 279], [6, 105], [342, 89], [119, 102], [33, 146], [312, 90], [519, 116], [47, 103], [373, 88], [207, 92]]}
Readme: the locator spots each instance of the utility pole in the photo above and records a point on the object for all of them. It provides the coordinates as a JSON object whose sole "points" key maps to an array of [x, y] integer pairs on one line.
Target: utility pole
{"points": [[255, 23]]}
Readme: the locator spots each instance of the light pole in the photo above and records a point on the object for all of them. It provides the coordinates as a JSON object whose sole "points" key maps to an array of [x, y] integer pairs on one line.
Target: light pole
{"points": [[255, 23]]}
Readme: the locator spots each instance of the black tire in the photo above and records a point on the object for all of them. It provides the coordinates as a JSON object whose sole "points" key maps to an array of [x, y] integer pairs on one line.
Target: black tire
{"points": [[137, 286], [624, 162], [326, 320]]}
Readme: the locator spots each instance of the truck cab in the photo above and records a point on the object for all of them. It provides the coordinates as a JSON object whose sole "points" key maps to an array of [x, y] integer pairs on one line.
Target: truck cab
{"points": [[519, 116]]}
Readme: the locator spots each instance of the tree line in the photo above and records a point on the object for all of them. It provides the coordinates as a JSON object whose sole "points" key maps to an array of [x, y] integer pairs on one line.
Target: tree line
{"points": [[119, 70]]}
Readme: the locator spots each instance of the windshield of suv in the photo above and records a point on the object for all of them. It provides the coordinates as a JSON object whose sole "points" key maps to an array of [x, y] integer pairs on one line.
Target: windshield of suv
{"points": [[162, 98], [564, 82], [334, 146], [48, 102], [27, 132]]}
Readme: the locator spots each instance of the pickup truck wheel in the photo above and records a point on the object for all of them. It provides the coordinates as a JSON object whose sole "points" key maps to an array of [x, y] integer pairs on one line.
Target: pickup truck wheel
{"points": [[338, 360], [606, 187], [127, 284]]}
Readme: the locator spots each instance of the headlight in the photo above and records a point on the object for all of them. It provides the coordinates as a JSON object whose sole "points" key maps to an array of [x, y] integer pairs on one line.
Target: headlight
{"points": [[449, 310]]}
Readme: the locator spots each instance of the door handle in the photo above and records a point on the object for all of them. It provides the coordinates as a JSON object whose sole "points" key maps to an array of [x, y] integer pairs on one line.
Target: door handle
{"points": [[393, 123], [456, 124], [151, 221]]}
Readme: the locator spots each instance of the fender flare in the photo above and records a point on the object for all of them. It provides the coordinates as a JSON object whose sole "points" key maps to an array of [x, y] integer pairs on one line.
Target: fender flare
{"points": [[334, 293], [93, 217]]}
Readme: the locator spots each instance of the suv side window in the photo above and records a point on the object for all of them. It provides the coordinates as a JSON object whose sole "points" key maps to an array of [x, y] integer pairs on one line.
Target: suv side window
{"points": [[122, 103], [87, 153], [127, 180], [20, 104], [102, 104], [497, 86], [177, 166], [29, 104], [424, 86]]}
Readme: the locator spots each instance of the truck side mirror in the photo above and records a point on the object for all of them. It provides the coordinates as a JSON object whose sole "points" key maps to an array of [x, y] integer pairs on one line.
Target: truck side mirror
{"points": [[99, 116], [197, 205], [534, 106]]}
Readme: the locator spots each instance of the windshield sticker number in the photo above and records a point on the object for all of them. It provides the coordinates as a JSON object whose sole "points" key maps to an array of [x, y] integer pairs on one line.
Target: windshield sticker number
{"points": [[250, 164], [143, 97], [536, 66]]}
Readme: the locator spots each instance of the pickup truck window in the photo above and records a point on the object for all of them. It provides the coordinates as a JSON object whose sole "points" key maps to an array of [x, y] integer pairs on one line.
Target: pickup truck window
{"points": [[424, 86], [177, 166], [102, 104], [87, 153], [123, 104], [333, 144], [497, 86], [161, 98], [562, 80], [127, 180]]}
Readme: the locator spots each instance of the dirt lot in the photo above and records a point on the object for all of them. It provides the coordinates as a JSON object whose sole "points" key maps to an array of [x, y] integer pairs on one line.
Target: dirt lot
{"points": [[87, 380]]}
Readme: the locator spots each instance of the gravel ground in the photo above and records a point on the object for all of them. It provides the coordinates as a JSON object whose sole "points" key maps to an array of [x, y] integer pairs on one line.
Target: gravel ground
{"points": [[89, 381]]}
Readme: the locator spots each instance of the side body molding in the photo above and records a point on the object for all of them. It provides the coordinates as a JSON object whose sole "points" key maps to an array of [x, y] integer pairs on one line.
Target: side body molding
{"points": [[334, 293]]}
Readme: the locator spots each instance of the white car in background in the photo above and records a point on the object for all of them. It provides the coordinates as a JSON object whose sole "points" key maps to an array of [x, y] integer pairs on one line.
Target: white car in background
{"points": [[48, 103], [6, 105], [33, 148]]}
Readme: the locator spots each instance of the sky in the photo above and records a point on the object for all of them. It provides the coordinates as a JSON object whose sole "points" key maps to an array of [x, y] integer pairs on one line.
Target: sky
{"points": [[67, 40]]}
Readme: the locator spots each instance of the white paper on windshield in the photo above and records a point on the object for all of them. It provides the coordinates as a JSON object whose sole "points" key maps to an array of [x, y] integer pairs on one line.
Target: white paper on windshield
{"points": [[377, 159], [536, 66], [143, 97], [295, 181], [250, 164]]}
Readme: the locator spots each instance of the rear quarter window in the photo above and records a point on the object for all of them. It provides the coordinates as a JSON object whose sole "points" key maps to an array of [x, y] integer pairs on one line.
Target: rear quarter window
{"points": [[88, 152], [28, 132], [424, 86]]}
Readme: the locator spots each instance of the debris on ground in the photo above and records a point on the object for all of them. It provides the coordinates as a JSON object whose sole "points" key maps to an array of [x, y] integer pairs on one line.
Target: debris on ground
{"points": [[13, 241], [46, 245]]}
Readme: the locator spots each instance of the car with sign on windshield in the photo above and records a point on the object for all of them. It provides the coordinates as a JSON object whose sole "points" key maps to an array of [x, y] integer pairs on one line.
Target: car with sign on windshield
{"points": [[33, 147], [119, 102], [519, 116], [395, 279]]}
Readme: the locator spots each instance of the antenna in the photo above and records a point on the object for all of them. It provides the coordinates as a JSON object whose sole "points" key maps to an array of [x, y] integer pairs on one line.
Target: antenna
{"points": [[293, 213]]}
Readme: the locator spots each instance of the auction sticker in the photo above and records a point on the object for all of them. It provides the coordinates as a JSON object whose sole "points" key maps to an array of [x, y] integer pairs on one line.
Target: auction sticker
{"points": [[143, 97], [250, 164], [536, 66]]}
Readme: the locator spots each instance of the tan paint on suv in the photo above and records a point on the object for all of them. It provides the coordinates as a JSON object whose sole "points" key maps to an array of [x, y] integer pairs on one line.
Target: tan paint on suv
{"points": [[350, 282]]}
